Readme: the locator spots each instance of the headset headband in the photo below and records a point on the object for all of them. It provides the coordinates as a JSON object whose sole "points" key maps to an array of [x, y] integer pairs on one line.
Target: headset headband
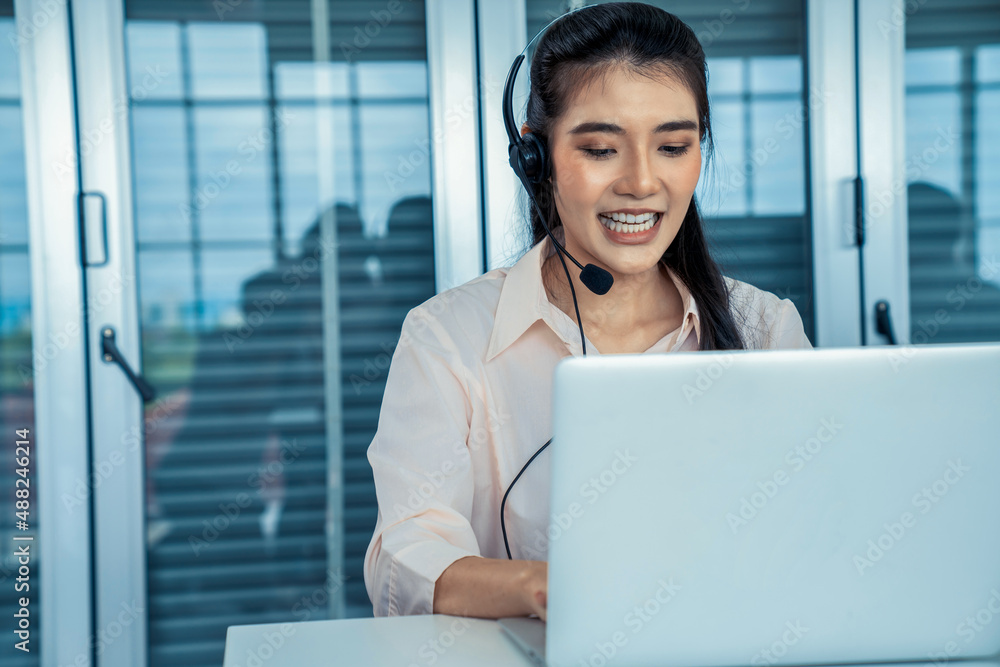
{"points": [[508, 91]]}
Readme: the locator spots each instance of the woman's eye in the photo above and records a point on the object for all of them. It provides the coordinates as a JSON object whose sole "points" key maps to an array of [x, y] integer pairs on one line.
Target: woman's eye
{"points": [[599, 152], [603, 153], [675, 151]]}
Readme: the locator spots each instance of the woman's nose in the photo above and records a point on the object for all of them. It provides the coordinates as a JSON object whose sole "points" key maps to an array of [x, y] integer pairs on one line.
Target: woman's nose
{"points": [[637, 178]]}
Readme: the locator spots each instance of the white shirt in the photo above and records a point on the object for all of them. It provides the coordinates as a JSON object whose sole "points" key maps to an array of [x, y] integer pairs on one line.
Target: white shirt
{"points": [[468, 401]]}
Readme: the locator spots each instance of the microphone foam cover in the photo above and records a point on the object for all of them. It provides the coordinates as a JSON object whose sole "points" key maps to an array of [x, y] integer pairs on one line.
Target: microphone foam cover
{"points": [[596, 279]]}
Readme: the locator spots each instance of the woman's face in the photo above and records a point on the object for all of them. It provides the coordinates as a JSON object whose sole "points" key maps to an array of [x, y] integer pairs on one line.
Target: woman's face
{"points": [[627, 145]]}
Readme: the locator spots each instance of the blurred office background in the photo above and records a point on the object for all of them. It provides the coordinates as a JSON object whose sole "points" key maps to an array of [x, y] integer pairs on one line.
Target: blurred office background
{"points": [[286, 168]]}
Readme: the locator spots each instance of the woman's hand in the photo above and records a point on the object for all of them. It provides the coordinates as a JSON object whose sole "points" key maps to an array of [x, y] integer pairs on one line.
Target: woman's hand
{"points": [[535, 587], [492, 588]]}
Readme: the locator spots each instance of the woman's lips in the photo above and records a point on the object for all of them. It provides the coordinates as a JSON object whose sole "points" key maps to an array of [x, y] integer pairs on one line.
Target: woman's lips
{"points": [[631, 238]]}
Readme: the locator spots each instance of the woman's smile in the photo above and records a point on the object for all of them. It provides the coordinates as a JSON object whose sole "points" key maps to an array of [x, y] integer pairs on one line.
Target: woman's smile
{"points": [[617, 163], [629, 229]]}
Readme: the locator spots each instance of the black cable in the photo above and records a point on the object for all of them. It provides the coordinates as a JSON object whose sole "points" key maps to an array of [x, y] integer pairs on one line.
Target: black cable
{"points": [[583, 342], [503, 502], [560, 250]]}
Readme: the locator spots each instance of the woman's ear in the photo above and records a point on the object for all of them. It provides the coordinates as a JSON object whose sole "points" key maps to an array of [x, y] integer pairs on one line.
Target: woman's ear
{"points": [[525, 129]]}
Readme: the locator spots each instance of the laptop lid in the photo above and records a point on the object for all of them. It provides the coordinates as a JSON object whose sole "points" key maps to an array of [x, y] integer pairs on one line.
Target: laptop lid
{"points": [[776, 507]]}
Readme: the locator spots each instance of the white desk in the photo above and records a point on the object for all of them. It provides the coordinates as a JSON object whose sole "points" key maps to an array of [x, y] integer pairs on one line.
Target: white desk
{"points": [[406, 641]]}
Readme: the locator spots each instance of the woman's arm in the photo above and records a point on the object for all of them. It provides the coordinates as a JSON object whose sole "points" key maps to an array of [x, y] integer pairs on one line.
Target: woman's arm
{"points": [[492, 588], [426, 487]]}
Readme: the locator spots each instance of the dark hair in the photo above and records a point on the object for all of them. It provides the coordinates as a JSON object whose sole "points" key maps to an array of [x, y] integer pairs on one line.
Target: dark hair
{"points": [[584, 45]]}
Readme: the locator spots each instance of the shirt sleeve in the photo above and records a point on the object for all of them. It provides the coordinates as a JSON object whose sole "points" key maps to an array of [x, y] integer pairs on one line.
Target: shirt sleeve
{"points": [[422, 470], [788, 332]]}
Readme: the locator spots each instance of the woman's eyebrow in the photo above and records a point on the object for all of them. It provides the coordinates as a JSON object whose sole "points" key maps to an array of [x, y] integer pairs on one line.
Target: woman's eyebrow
{"points": [[612, 128]]}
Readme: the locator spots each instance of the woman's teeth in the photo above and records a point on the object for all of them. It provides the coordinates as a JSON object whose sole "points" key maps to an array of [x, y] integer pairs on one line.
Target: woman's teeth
{"points": [[627, 223]]}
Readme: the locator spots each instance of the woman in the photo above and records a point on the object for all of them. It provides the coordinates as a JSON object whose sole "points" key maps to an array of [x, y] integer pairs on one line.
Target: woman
{"points": [[618, 92]]}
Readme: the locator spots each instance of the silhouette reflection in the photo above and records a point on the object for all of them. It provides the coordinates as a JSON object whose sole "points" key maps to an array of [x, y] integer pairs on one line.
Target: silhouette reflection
{"points": [[950, 302], [255, 413]]}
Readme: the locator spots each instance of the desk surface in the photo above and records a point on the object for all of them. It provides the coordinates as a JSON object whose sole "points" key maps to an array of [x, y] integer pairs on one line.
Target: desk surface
{"points": [[404, 641], [407, 641]]}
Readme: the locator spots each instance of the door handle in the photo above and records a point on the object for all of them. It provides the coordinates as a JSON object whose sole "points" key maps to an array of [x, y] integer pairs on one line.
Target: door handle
{"points": [[883, 321], [112, 354], [94, 211]]}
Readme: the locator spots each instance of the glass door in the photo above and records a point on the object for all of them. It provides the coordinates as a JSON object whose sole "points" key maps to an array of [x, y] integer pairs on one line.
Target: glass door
{"points": [[239, 204], [930, 161], [275, 261], [952, 79], [284, 227], [44, 368]]}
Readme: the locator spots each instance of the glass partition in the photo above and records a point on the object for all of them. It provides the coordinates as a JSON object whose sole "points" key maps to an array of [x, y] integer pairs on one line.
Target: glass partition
{"points": [[284, 226], [953, 170]]}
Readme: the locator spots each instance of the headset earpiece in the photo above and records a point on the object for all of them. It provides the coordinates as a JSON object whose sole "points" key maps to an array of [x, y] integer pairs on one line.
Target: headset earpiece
{"points": [[534, 158], [528, 156]]}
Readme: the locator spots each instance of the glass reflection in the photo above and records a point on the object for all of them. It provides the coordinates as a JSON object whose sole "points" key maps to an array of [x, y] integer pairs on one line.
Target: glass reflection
{"points": [[285, 230], [952, 167]]}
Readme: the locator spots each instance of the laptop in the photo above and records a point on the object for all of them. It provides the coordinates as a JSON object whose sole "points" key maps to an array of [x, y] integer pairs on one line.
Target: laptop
{"points": [[779, 507]]}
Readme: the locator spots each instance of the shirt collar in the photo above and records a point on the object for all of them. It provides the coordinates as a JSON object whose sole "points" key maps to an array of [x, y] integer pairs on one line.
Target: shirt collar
{"points": [[523, 301]]}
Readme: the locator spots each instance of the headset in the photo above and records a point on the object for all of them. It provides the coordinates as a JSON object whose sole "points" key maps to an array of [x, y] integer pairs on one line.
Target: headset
{"points": [[530, 160]]}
